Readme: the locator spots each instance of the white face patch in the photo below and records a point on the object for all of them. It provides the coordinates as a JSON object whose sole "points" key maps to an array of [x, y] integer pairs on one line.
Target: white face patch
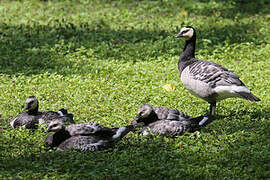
{"points": [[60, 113], [33, 101], [187, 32], [55, 126], [146, 113]]}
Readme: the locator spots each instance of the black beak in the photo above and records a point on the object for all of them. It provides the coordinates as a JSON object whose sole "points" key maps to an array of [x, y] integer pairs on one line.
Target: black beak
{"points": [[47, 130], [178, 35], [135, 121]]}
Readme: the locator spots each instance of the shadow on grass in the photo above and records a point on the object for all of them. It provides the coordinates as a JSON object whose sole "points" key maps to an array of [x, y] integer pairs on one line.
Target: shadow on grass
{"points": [[247, 120], [127, 160], [147, 159], [38, 49], [224, 8], [34, 48], [233, 9]]}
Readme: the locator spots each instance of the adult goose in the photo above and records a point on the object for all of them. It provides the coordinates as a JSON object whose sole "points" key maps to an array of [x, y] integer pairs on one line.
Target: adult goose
{"points": [[205, 79], [168, 122], [84, 137], [32, 117]]}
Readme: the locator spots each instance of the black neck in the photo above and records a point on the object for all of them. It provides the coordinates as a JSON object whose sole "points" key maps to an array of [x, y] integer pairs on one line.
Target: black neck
{"points": [[151, 118], [188, 54], [33, 111], [60, 137]]}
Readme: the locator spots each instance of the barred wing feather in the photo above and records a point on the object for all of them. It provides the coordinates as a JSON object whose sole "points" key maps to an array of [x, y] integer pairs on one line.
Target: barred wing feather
{"points": [[214, 74], [88, 128]]}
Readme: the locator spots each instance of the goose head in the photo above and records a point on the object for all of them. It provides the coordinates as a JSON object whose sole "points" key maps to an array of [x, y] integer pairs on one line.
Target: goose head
{"points": [[186, 32], [65, 116], [55, 126], [31, 103], [145, 114], [62, 112]]}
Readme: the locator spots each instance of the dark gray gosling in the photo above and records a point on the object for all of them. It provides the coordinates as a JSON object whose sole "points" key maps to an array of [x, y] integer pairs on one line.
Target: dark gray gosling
{"points": [[167, 122], [84, 137], [32, 117]]}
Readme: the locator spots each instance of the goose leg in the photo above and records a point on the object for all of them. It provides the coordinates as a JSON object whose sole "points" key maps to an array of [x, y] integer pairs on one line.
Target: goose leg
{"points": [[212, 109]]}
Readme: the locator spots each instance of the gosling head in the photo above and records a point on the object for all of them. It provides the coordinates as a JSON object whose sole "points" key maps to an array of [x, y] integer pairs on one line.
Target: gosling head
{"points": [[62, 112], [55, 126], [31, 103], [186, 32], [145, 114]]}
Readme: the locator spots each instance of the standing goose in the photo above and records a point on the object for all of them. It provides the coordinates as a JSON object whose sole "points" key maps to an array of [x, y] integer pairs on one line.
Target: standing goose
{"points": [[84, 137], [32, 117], [165, 121], [205, 79]]}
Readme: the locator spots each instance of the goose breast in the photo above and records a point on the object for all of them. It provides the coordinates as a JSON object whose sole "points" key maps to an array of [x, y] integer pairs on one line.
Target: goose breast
{"points": [[209, 80]]}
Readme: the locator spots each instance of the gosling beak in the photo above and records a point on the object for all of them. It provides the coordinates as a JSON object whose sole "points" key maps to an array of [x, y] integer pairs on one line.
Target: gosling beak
{"points": [[27, 106], [135, 121]]}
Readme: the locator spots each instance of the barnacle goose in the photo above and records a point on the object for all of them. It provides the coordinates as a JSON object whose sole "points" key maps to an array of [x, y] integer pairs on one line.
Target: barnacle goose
{"points": [[62, 113], [168, 122], [32, 117], [205, 79], [83, 137]]}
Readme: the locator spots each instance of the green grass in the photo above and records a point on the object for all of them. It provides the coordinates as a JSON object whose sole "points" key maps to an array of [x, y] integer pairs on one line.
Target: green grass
{"points": [[102, 59]]}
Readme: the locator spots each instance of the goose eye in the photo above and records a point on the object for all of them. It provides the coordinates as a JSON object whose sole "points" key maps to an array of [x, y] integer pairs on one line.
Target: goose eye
{"points": [[143, 113], [54, 125], [185, 31]]}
